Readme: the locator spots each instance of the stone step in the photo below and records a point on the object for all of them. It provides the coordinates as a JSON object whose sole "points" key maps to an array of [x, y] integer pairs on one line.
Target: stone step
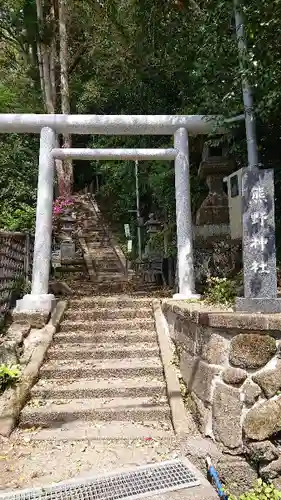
{"points": [[82, 284], [118, 336], [102, 368], [109, 431], [113, 284], [91, 230], [93, 225], [71, 269], [66, 351], [110, 281], [114, 301], [108, 325], [108, 251], [101, 258], [98, 246], [97, 388], [108, 287], [90, 344], [103, 267], [106, 313], [109, 268], [95, 229], [73, 262], [61, 411], [93, 245], [108, 275], [106, 256], [93, 237]]}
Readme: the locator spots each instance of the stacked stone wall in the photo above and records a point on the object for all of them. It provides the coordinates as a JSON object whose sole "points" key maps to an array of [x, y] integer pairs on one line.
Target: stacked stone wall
{"points": [[230, 364]]}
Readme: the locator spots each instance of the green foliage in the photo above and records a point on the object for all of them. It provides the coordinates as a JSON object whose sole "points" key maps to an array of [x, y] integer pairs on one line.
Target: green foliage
{"points": [[220, 291], [21, 218], [261, 491], [22, 286], [18, 182], [9, 376], [140, 57]]}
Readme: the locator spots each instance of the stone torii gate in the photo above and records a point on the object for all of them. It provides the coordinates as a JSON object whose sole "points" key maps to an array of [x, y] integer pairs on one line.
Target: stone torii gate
{"points": [[39, 301]]}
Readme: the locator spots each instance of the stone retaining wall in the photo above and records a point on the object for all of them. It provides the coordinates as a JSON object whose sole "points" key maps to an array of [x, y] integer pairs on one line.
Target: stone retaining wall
{"points": [[231, 366], [16, 252]]}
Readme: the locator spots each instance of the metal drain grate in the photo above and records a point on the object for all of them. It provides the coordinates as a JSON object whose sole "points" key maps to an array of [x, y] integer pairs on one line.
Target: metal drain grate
{"points": [[142, 482]]}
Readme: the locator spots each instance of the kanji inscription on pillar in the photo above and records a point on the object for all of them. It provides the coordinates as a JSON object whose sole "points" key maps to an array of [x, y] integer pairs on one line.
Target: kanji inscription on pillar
{"points": [[259, 254]]}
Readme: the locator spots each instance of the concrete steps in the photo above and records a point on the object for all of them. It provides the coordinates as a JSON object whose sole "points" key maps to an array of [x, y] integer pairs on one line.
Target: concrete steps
{"points": [[96, 302], [103, 276], [110, 268], [119, 408], [117, 336], [99, 244], [102, 368], [108, 325], [103, 430], [109, 314], [97, 388], [108, 251], [107, 287], [83, 351]]}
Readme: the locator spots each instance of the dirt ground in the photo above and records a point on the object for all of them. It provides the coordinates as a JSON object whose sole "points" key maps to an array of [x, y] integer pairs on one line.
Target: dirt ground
{"points": [[27, 463]]}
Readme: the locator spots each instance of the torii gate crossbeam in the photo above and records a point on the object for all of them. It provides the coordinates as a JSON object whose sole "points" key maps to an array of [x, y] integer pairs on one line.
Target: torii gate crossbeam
{"points": [[39, 301]]}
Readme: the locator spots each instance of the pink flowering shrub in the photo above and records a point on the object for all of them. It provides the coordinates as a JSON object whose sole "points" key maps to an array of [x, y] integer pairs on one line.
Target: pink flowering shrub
{"points": [[62, 204]]}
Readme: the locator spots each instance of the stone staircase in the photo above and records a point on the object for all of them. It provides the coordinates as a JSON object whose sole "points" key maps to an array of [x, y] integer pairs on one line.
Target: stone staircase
{"points": [[103, 373], [103, 376]]}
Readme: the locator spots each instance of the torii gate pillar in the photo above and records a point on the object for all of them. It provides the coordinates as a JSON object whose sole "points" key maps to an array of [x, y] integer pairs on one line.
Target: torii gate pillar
{"points": [[184, 218], [40, 301]]}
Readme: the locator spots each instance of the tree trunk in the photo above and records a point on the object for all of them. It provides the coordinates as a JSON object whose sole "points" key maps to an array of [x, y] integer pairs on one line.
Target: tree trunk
{"points": [[47, 63], [44, 61], [53, 55], [40, 64], [64, 87]]}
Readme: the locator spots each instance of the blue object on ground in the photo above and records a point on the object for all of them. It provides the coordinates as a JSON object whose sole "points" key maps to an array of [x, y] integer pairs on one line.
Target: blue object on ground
{"points": [[216, 480]]}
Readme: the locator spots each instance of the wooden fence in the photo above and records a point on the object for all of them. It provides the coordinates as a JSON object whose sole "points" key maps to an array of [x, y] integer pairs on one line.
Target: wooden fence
{"points": [[16, 253]]}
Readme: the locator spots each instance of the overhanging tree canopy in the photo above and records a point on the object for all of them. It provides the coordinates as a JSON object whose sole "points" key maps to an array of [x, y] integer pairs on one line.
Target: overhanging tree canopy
{"points": [[146, 57]]}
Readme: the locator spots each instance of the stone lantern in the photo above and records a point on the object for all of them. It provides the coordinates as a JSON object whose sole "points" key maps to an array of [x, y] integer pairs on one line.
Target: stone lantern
{"points": [[67, 227], [153, 226], [215, 165], [215, 254], [67, 246]]}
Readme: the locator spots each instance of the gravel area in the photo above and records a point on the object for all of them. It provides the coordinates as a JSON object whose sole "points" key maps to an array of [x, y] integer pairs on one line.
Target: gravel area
{"points": [[26, 463]]}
